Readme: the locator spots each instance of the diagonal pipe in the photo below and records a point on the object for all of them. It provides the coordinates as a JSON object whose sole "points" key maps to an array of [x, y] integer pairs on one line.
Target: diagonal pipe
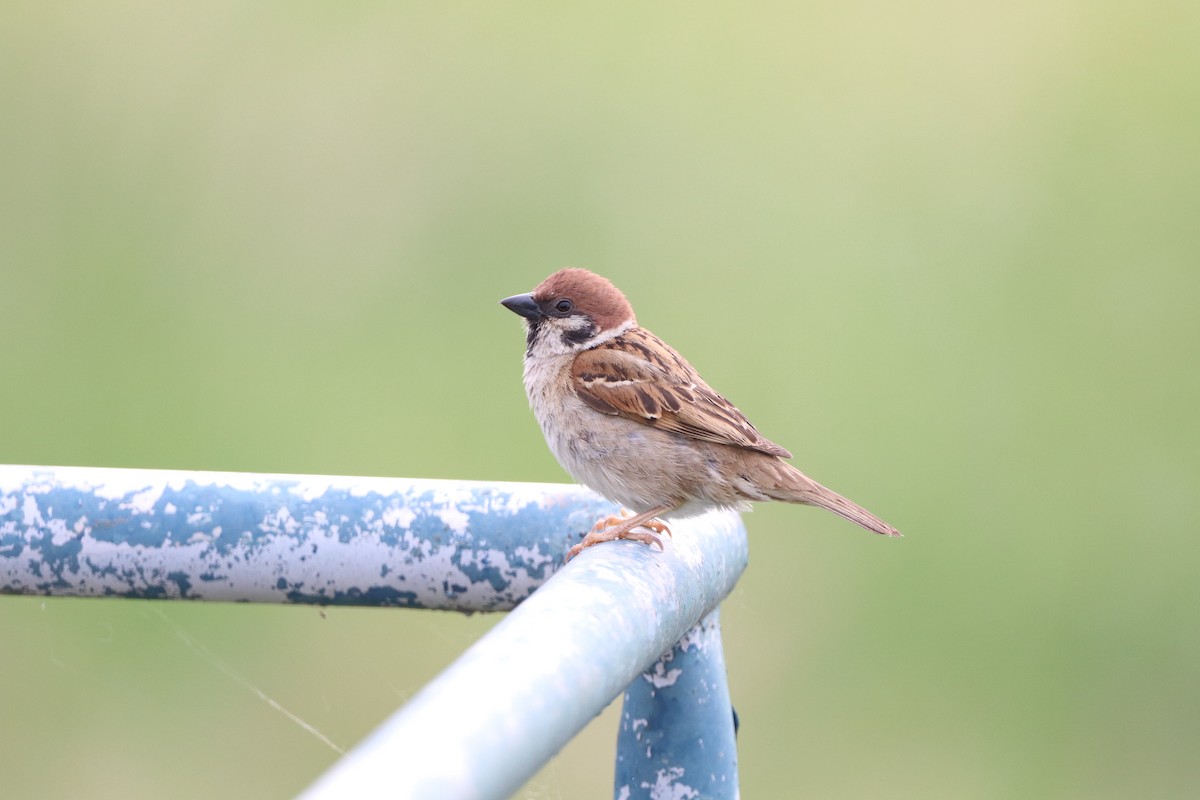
{"points": [[491, 719]]}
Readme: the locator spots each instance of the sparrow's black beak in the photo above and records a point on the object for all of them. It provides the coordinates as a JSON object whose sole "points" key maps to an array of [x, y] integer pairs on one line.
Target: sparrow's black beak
{"points": [[522, 304]]}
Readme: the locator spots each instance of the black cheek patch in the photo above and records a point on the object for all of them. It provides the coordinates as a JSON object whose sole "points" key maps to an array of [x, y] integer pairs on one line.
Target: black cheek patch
{"points": [[534, 326], [580, 335]]}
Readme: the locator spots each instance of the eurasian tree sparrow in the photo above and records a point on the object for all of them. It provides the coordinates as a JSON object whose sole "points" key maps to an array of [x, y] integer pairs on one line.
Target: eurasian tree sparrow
{"points": [[629, 418]]}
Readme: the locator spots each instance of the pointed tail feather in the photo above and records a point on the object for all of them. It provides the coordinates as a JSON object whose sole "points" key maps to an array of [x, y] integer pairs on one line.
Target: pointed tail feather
{"points": [[796, 487]]}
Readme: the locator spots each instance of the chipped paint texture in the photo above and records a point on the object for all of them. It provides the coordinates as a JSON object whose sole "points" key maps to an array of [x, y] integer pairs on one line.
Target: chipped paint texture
{"points": [[465, 546], [677, 739], [605, 620], [494, 717]]}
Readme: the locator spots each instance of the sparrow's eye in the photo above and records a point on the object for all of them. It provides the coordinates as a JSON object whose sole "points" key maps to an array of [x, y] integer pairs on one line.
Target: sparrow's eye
{"points": [[564, 306]]}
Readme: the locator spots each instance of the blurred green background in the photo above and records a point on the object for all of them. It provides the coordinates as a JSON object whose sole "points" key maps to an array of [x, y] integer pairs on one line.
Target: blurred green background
{"points": [[948, 254]]}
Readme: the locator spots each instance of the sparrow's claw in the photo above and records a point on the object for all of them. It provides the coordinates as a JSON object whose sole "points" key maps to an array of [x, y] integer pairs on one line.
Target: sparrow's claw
{"points": [[638, 528], [658, 526], [609, 534], [645, 537]]}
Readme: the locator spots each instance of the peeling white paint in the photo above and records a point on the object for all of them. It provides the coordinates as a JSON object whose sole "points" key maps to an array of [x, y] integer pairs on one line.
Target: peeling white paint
{"points": [[398, 517], [60, 534], [310, 487], [697, 638], [665, 787], [637, 726], [143, 502], [455, 519], [661, 677], [279, 520], [536, 559], [32, 516]]}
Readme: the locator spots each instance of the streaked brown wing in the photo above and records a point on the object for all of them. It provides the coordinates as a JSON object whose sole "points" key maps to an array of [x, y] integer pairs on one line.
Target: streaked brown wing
{"points": [[640, 377]]}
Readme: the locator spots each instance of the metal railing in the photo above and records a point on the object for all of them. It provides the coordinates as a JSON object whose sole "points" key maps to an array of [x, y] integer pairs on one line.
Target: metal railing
{"points": [[622, 616]]}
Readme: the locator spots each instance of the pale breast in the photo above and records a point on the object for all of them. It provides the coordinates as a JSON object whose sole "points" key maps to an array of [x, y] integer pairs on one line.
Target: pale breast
{"points": [[627, 462], [561, 415]]}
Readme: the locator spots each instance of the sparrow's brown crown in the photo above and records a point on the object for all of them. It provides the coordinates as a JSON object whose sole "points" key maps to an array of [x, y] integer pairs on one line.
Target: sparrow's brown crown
{"points": [[589, 294]]}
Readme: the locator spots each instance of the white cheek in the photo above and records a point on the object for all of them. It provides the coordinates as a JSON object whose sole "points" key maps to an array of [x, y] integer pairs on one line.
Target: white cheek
{"points": [[549, 341]]}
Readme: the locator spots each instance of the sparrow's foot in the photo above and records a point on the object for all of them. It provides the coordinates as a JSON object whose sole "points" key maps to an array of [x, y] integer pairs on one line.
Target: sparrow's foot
{"points": [[625, 527], [657, 525], [608, 535], [611, 520]]}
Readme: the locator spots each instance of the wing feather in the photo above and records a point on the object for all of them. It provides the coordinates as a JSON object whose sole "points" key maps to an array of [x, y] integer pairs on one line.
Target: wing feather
{"points": [[640, 377]]}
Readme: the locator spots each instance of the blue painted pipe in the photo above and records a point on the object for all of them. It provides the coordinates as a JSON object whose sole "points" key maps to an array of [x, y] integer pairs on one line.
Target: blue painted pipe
{"points": [[512, 700], [162, 534], [677, 735]]}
